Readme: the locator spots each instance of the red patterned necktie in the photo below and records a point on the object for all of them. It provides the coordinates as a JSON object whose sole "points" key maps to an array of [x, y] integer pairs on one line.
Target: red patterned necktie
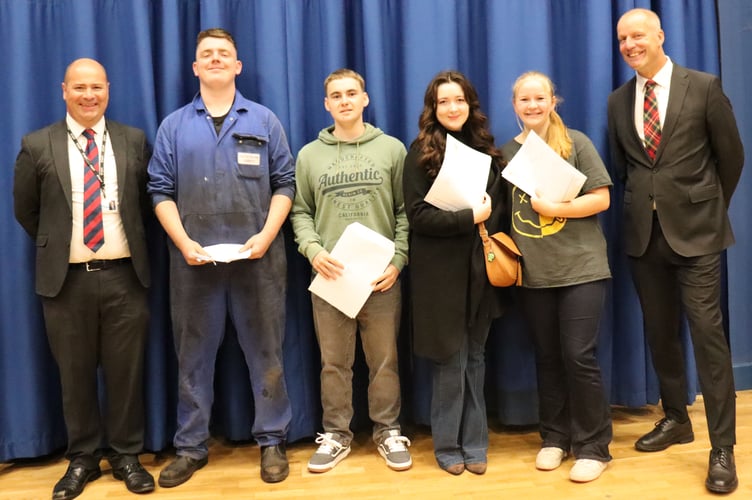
{"points": [[651, 120], [93, 229]]}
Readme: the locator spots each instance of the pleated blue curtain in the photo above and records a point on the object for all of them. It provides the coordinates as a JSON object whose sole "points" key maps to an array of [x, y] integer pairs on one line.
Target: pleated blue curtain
{"points": [[735, 18], [287, 49]]}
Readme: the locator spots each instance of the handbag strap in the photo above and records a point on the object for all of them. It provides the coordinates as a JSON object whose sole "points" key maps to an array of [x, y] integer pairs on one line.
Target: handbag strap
{"points": [[484, 237]]}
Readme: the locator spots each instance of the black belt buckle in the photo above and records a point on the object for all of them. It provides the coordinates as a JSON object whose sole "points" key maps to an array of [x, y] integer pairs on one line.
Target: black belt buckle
{"points": [[95, 265]]}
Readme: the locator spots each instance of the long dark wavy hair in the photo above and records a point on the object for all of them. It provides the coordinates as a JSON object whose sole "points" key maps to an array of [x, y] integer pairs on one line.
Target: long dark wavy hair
{"points": [[431, 140]]}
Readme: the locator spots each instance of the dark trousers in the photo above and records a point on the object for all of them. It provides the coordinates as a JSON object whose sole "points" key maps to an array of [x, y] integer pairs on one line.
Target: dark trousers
{"points": [[573, 409], [668, 283], [100, 319]]}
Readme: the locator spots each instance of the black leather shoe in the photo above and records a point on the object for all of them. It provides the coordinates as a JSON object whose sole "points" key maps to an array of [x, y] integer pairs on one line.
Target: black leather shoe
{"points": [[274, 466], [666, 433], [180, 470], [72, 483], [136, 478], [721, 471]]}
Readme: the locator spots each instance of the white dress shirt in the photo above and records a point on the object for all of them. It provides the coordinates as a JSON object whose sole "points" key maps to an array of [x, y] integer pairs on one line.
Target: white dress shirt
{"points": [[115, 243]]}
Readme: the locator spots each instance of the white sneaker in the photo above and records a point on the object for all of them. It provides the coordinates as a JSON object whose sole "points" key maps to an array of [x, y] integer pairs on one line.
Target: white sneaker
{"points": [[329, 453], [549, 458], [394, 450], [586, 469]]}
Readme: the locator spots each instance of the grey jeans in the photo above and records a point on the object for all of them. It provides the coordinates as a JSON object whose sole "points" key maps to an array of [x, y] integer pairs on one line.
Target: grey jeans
{"points": [[378, 324]]}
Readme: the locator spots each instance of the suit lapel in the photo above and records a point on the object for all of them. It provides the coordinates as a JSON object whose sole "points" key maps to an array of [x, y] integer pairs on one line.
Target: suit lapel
{"points": [[677, 93], [59, 141], [121, 161]]}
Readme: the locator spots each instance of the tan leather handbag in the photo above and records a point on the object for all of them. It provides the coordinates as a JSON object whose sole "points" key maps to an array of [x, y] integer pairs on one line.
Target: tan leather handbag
{"points": [[503, 264]]}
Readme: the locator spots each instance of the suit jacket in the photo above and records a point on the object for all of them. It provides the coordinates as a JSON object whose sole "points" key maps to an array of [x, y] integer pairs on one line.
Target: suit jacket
{"points": [[42, 198], [696, 169]]}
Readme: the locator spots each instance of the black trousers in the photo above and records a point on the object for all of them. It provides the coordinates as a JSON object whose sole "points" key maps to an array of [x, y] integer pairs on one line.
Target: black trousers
{"points": [[667, 284], [100, 319], [573, 410]]}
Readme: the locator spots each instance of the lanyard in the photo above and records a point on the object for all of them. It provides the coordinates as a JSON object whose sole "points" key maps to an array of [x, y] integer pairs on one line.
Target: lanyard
{"points": [[98, 173]]}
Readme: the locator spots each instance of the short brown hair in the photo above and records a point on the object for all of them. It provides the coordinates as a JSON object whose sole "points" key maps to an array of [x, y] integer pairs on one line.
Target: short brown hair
{"points": [[216, 33], [344, 73]]}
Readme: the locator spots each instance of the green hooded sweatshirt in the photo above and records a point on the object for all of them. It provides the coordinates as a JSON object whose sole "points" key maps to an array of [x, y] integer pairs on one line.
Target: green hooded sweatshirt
{"points": [[340, 182]]}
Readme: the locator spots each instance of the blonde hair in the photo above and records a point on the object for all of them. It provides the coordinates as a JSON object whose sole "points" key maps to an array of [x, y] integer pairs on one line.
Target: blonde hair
{"points": [[557, 136]]}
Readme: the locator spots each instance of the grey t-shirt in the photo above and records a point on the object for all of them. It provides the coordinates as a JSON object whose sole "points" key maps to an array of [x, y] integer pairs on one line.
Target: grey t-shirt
{"points": [[561, 251]]}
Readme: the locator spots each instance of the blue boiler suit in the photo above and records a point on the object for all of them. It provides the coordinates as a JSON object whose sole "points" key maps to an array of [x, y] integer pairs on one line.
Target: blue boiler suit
{"points": [[222, 185]]}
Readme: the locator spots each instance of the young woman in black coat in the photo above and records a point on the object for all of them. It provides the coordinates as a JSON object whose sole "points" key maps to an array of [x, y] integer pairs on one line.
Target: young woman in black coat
{"points": [[452, 302]]}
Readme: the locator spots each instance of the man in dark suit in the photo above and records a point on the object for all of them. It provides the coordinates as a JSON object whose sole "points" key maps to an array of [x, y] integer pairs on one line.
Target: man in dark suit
{"points": [[91, 272], [680, 159]]}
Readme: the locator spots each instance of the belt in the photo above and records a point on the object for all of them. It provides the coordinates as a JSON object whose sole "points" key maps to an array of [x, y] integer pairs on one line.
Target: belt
{"points": [[99, 265]]}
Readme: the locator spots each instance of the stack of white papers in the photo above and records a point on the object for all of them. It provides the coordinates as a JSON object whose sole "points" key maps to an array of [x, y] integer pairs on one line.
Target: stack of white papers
{"points": [[538, 168], [227, 252], [365, 255], [461, 182]]}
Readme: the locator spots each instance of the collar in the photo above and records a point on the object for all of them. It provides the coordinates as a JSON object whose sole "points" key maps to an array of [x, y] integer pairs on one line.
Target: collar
{"points": [[662, 78], [239, 103], [78, 129]]}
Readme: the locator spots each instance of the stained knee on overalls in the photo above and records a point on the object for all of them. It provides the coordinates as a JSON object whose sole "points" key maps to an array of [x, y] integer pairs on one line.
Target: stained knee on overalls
{"points": [[272, 381]]}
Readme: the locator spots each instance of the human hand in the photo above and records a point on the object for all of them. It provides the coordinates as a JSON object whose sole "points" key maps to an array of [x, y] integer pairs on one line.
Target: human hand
{"points": [[327, 266], [543, 206], [386, 280], [194, 254], [258, 244], [483, 211]]}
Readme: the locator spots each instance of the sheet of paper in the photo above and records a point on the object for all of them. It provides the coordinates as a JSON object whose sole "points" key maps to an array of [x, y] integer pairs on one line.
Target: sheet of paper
{"points": [[227, 252], [537, 167], [461, 182], [365, 255]]}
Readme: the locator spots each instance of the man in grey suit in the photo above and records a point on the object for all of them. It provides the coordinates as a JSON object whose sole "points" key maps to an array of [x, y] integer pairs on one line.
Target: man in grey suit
{"points": [[92, 273], [676, 225]]}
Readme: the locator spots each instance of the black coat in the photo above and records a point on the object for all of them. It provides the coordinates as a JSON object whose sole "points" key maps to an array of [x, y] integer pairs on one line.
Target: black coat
{"points": [[449, 290]]}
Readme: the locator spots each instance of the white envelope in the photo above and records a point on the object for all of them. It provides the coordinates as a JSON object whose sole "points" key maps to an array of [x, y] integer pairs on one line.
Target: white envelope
{"points": [[227, 252], [365, 255]]}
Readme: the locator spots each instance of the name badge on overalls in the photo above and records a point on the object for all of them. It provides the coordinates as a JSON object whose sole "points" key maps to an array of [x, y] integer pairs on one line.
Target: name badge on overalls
{"points": [[249, 158], [245, 157]]}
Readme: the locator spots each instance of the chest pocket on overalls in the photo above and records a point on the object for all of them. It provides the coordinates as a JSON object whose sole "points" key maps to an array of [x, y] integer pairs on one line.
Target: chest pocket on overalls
{"points": [[251, 155]]}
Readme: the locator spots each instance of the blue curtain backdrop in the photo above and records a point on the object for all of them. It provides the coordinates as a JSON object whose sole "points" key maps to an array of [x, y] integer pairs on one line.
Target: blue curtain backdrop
{"points": [[288, 47]]}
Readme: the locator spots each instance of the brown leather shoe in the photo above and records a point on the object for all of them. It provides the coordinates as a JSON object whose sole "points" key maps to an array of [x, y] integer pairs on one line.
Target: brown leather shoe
{"points": [[455, 469], [477, 467], [274, 465], [666, 433]]}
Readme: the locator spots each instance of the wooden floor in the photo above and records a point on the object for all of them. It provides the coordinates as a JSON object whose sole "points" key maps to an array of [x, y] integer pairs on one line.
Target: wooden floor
{"points": [[233, 470]]}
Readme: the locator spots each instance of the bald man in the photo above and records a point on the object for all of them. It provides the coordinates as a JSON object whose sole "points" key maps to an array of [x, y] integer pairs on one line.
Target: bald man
{"points": [[678, 182], [80, 192]]}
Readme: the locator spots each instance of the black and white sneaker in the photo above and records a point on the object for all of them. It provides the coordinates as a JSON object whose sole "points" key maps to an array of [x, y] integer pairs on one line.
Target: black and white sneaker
{"points": [[329, 453], [394, 450]]}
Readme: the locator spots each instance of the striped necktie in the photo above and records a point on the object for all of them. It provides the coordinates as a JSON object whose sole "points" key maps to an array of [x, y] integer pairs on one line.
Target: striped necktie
{"points": [[93, 228], [651, 120]]}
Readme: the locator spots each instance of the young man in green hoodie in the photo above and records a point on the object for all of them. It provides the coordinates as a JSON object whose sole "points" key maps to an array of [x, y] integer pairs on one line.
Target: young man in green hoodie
{"points": [[353, 173]]}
